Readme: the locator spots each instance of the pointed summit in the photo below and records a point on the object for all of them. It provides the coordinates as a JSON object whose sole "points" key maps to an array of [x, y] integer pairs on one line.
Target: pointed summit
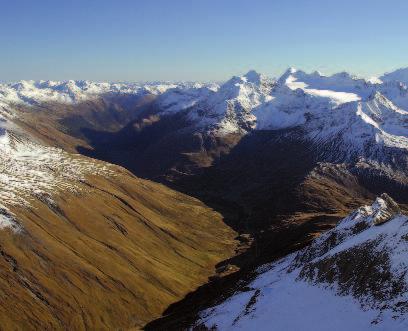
{"points": [[289, 72], [292, 70], [385, 208], [253, 76]]}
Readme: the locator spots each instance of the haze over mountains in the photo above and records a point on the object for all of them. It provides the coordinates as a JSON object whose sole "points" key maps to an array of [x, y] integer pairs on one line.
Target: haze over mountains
{"points": [[264, 166]]}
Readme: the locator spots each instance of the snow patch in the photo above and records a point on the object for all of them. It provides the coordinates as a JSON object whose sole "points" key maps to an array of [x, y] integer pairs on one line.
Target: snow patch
{"points": [[28, 170], [7, 221]]}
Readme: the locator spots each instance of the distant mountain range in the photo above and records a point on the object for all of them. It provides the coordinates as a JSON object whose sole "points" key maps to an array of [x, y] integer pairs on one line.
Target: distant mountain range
{"points": [[367, 116]]}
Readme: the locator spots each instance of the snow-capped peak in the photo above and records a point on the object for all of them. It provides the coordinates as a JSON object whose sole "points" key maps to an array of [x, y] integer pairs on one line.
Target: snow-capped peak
{"points": [[229, 109], [253, 77], [360, 117], [290, 71], [374, 80], [287, 75]]}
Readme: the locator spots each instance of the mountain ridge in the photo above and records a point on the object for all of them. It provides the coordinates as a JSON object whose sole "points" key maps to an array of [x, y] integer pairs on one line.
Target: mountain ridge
{"points": [[360, 262]]}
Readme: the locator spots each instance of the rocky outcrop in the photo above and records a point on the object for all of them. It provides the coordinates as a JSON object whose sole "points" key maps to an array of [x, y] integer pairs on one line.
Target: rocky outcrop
{"points": [[387, 209]]}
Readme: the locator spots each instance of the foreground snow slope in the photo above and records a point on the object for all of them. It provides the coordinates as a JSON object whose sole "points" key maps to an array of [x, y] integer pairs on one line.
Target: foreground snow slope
{"points": [[354, 277]]}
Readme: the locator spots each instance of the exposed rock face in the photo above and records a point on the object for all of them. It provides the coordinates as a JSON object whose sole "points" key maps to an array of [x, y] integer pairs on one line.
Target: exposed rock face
{"points": [[386, 210]]}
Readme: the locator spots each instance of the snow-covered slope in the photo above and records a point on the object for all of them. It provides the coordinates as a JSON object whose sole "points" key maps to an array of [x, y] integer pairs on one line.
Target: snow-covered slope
{"points": [[338, 107], [354, 277]]}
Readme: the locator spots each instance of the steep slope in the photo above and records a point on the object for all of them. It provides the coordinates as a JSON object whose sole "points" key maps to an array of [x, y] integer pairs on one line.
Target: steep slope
{"points": [[352, 277], [86, 245]]}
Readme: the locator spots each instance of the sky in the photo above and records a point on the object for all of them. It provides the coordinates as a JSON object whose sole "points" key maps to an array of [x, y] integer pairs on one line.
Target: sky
{"points": [[200, 40]]}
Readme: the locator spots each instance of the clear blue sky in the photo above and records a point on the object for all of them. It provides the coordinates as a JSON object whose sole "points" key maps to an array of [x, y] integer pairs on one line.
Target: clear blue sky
{"points": [[138, 40]]}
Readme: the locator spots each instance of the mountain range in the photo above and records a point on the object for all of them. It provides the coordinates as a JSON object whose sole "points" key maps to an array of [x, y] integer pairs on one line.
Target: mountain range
{"points": [[252, 177]]}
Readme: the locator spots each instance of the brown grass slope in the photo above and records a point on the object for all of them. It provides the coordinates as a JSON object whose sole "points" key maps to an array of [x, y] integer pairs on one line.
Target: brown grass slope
{"points": [[112, 256]]}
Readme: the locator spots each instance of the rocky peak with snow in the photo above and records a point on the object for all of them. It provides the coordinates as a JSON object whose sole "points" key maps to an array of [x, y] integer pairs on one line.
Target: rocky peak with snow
{"points": [[254, 77], [352, 277], [385, 208], [228, 109]]}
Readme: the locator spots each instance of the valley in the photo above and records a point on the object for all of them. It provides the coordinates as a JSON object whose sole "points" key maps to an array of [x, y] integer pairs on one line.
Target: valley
{"points": [[229, 177]]}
